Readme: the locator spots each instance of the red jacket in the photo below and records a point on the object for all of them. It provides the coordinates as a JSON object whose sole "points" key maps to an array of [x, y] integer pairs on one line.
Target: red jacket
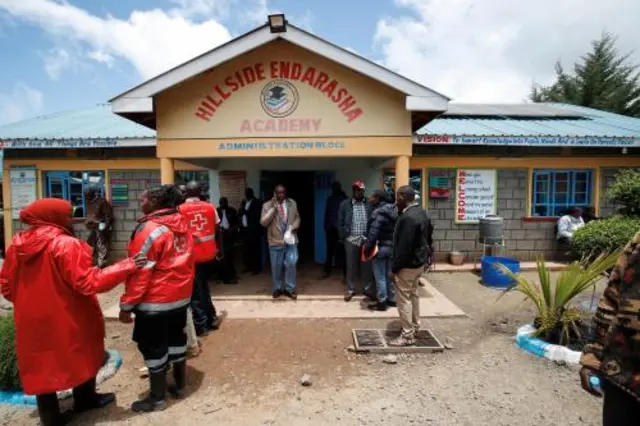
{"points": [[166, 282], [49, 277], [202, 219]]}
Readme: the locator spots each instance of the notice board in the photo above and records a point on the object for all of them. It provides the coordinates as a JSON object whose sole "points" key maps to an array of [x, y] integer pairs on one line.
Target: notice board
{"points": [[476, 194], [23, 189]]}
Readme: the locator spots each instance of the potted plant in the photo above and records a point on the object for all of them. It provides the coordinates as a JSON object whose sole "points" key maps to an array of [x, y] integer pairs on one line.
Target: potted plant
{"points": [[557, 320], [456, 258]]}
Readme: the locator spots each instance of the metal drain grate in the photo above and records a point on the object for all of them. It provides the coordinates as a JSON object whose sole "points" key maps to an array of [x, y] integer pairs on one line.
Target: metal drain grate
{"points": [[376, 340]]}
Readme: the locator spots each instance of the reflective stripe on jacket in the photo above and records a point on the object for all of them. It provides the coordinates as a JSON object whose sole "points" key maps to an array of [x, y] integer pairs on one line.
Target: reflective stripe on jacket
{"points": [[201, 219]]}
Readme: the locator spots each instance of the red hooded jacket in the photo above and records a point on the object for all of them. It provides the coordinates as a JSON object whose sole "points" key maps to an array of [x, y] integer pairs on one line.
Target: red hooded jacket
{"points": [[166, 282], [49, 277]]}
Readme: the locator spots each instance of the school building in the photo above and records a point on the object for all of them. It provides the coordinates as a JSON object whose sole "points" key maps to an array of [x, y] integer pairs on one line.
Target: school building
{"points": [[279, 105]]}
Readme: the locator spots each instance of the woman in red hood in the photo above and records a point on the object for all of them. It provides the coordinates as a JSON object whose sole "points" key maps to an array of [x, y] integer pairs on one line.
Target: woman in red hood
{"points": [[160, 292], [49, 277]]}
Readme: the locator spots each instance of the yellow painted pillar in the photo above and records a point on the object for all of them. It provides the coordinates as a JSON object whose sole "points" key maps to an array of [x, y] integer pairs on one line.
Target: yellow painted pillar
{"points": [[167, 172], [402, 171]]}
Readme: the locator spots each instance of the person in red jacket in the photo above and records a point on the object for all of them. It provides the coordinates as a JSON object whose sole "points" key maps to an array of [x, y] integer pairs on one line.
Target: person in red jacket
{"points": [[160, 293], [49, 277], [202, 218]]}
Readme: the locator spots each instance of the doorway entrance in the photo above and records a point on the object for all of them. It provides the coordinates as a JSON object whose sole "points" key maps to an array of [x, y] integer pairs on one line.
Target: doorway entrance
{"points": [[309, 190]]}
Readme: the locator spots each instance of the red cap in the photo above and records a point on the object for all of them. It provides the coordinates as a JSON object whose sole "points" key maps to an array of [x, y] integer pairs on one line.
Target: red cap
{"points": [[358, 184]]}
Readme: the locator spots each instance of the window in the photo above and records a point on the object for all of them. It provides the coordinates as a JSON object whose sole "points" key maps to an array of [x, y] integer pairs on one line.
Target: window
{"points": [[70, 186], [415, 180], [554, 191], [201, 176]]}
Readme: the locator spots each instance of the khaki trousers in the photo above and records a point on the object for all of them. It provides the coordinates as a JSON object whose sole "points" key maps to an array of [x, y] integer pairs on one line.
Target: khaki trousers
{"points": [[407, 286]]}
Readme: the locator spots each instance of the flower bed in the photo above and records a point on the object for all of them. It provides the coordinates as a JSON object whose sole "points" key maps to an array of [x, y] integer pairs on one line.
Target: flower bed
{"points": [[108, 370], [538, 347]]}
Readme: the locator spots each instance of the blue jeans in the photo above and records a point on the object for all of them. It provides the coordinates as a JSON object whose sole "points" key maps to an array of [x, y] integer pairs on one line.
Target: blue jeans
{"points": [[283, 267], [382, 274]]}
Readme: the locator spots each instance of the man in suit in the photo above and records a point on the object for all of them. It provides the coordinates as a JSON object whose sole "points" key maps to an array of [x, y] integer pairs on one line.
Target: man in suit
{"points": [[228, 228], [251, 232]]}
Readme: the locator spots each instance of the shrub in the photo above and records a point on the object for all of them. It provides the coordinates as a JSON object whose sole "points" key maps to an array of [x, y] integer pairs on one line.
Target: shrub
{"points": [[604, 236], [9, 378], [625, 192]]}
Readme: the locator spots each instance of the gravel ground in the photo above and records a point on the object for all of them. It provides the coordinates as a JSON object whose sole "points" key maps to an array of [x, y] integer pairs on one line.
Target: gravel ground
{"points": [[250, 375]]}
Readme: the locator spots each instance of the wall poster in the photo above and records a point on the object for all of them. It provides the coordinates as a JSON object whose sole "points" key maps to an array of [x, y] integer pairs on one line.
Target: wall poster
{"points": [[23, 189], [476, 194]]}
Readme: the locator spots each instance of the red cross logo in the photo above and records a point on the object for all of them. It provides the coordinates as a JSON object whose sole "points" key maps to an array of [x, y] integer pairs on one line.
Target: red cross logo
{"points": [[198, 222]]}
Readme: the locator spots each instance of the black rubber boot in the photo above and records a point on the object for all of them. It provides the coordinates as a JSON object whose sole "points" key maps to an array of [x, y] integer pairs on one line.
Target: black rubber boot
{"points": [[179, 376], [155, 401], [86, 398], [49, 411]]}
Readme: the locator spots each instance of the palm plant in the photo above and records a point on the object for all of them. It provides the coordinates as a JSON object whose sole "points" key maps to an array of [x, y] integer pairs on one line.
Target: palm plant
{"points": [[553, 300]]}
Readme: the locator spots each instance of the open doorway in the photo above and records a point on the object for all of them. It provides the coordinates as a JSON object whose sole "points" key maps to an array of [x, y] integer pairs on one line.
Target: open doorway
{"points": [[300, 187]]}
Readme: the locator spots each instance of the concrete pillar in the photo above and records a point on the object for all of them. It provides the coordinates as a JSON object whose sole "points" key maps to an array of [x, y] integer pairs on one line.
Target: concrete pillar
{"points": [[167, 172], [402, 171]]}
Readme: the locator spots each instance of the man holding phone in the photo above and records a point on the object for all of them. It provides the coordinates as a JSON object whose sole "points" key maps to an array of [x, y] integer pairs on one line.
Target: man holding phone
{"points": [[281, 219]]}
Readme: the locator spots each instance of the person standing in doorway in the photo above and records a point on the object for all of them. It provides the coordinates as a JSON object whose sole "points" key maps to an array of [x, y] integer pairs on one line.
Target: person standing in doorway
{"points": [[380, 230], [335, 248], [251, 232], [352, 224], [228, 230], [202, 219], [99, 220], [160, 293], [411, 245], [280, 217], [613, 354]]}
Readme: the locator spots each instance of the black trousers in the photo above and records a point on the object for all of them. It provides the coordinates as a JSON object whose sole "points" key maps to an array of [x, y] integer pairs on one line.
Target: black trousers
{"points": [[226, 266], [252, 249], [161, 338], [335, 250], [204, 313], [619, 407]]}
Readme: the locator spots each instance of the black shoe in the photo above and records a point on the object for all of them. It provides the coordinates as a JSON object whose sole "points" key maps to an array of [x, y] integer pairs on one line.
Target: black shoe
{"points": [[392, 304], [99, 400], [378, 306], [370, 298], [49, 411], [291, 295], [276, 294], [179, 377], [155, 401], [203, 333], [348, 297]]}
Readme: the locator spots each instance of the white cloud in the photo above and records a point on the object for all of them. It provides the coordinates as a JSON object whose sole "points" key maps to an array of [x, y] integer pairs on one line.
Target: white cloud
{"points": [[492, 50], [56, 60], [152, 40], [23, 101], [101, 57]]}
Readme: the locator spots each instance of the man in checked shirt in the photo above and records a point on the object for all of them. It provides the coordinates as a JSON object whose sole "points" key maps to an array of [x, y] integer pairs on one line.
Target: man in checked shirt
{"points": [[352, 226]]}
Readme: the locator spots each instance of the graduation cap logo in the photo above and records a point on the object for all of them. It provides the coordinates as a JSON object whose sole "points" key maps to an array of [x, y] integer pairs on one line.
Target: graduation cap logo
{"points": [[279, 98]]}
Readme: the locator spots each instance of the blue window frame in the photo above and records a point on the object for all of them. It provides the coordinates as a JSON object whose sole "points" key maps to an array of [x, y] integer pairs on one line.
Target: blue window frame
{"points": [[554, 191], [70, 186]]}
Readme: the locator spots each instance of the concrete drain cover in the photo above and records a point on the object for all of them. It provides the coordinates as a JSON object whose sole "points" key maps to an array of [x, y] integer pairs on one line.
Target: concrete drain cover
{"points": [[376, 340]]}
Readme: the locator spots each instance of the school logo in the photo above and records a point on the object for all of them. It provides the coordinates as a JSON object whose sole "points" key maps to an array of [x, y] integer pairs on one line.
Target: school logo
{"points": [[279, 98]]}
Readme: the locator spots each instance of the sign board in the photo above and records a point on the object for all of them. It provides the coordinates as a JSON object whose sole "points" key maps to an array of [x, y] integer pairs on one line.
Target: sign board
{"points": [[23, 189], [476, 194], [557, 141], [439, 184], [76, 143], [119, 193]]}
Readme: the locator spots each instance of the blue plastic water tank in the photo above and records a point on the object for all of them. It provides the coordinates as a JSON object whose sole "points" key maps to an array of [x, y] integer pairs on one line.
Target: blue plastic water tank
{"points": [[492, 276]]}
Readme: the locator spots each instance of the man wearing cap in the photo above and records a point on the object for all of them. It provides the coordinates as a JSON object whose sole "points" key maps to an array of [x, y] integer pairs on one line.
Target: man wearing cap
{"points": [[353, 216]]}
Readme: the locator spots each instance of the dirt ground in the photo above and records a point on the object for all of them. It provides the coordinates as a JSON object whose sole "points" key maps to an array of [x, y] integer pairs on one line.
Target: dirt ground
{"points": [[249, 375]]}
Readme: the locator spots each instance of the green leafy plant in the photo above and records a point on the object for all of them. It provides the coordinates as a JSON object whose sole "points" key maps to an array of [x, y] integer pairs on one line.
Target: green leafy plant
{"points": [[604, 236], [553, 300], [9, 377], [625, 192]]}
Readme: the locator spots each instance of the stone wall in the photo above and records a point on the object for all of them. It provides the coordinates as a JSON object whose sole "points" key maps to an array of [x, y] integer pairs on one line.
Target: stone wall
{"points": [[524, 240], [126, 214]]}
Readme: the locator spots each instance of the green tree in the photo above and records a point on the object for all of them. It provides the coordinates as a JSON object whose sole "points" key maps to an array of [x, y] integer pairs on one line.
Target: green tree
{"points": [[603, 79]]}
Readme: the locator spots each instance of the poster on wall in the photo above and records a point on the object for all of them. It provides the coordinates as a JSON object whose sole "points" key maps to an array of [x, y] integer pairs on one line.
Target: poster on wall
{"points": [[439, 184], [476, 194], [23, 189]]}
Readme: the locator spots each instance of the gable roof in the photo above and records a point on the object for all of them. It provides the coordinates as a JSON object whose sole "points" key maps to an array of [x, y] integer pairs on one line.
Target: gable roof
{"points": [[138, 100]]}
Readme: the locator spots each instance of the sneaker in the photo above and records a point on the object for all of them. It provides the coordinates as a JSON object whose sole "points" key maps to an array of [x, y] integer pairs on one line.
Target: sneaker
{"points": [[403, 340], [378, 306], [276, 294], [392, 304], [348, 297], [291, 295]]}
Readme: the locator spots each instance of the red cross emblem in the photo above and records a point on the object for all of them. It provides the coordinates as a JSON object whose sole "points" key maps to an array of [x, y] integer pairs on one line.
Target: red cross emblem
{"points": [[198, 222]]}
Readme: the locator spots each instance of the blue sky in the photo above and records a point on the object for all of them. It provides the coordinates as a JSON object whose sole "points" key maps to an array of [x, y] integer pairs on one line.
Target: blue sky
{"points": [[59, 55]]}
